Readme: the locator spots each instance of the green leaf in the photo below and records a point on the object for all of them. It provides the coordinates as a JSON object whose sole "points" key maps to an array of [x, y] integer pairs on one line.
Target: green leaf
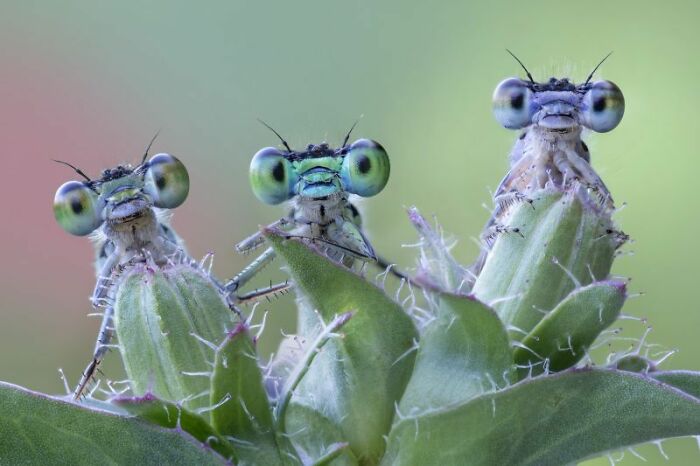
{"points": [[354, 381], [162, 317], [528, 272], [38, 429], [91, 402], [553, 420], [437, 266], [334, 452], [463, 353], [315, 435], [245, 417], [564, 335], [302, 367], [168, 414], [688, 381]]}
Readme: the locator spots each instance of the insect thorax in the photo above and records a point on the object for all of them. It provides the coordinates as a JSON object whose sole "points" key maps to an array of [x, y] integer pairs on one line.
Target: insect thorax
{"points": [[320, 211], [538, 142], [138, 234], [541, 157]]}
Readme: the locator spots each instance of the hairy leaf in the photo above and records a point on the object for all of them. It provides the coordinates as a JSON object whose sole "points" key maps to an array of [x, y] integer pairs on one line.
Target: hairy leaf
{"points": [[168, 414], [463, 353], [688, 381], [527, 269], [161, 318], [354, 381], [564, 335], [38, 429], [436, 266], [315, 435], [243, 413], [553, 420]]}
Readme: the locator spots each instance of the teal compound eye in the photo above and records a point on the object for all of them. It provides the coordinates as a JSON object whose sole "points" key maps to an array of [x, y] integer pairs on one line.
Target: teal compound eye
{"points": [[365, 170], [603, 106], [166, 181], [272, 176], [511, 103], [76, 208]]}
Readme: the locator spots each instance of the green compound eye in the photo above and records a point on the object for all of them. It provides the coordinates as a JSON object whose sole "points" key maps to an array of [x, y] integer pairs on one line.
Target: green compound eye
{"points": [[511, 103], [366, 168], [604, 106], [272, 176], [76, 208], [167, 181]]}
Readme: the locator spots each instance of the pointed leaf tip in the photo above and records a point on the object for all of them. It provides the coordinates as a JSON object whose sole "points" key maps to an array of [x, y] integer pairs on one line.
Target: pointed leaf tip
{"points": [[463, 352], [173, 416], [563, 336], [355, 382], [246, 415]]}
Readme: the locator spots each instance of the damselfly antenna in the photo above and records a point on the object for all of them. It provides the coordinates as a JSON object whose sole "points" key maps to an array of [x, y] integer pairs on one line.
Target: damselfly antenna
{"points": [[347, 136], [148, 147], [77, 170], [529, 76], [284, 143], [596, 68]]}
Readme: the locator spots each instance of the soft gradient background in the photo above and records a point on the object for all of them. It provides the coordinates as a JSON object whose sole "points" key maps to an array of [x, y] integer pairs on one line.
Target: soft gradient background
{"points": [[90, 82]]}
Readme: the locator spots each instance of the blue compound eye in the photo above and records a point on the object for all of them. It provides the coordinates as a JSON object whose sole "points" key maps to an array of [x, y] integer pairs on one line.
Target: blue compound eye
{"points": [[511, 104], [603, 106], [272, 176], [76, 209], [365, 170], [167, 181]]}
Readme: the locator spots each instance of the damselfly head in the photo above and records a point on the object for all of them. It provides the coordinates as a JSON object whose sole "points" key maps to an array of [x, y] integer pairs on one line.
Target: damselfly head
{"points": [[558, 105], [121, 195], [319, 172]]}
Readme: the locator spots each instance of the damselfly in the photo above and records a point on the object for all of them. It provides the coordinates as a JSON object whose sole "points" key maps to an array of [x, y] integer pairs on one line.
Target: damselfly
{"points": [[551, 117], [318, 181]]}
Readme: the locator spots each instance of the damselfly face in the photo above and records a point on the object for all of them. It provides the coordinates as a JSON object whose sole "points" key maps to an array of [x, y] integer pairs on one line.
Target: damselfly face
{"points": [[549, 153], [552, 115], [558, 105], [318, 181], [319, 172], [122, 196]]}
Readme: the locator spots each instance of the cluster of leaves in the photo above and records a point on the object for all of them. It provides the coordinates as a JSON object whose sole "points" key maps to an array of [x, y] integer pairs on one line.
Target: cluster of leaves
{"points": [[369, 381]]}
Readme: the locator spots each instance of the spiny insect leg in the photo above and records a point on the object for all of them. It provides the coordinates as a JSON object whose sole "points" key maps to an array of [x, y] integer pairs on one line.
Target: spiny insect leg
{"points": [[250, 243], [255, 240], [267, 292], [101, 347], [250, 271], [104, 280], [100, 296], [590, 178]]}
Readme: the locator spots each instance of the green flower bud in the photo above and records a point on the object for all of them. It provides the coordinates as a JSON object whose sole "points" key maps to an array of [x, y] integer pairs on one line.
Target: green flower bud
{"points": [[541, 251], [164, 318]]}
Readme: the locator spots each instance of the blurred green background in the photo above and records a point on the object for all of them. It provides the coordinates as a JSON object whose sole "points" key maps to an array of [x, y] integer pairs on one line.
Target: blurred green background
{"points": [[90, 82]]}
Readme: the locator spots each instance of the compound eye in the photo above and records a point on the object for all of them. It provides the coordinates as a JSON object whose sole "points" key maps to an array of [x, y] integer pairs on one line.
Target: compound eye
{"points": [[272, 176], [603, 106], [366, 168], [75, 206], [167, 181], [511, 103]]}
